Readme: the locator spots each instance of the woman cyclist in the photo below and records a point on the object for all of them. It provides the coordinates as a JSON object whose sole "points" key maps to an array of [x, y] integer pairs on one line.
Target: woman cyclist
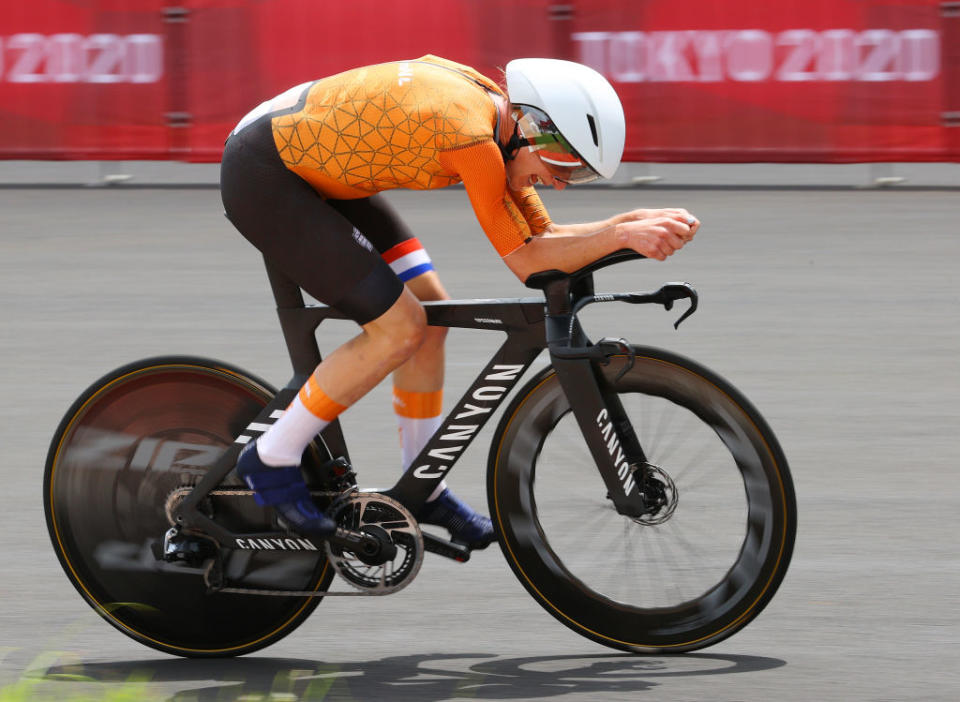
{"points": [[300, 180]]}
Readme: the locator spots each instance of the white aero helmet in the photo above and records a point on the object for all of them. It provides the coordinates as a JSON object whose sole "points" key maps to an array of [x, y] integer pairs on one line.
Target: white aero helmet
{"points": [[571, 114]]}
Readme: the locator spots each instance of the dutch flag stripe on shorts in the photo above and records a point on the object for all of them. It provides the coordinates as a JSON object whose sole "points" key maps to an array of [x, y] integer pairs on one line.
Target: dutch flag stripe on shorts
{"points": [[408, 259]]}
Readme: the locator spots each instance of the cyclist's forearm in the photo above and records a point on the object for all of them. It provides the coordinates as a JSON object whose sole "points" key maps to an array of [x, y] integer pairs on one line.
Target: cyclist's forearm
{"points": [[622, 218], [559, 249], [581, 229]]}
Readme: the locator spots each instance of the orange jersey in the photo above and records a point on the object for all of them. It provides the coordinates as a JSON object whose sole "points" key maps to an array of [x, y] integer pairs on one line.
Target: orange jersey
{"points": [[419, 124]]}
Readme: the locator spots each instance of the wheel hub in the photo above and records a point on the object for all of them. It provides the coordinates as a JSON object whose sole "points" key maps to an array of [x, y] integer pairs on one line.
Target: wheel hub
{"points": [[659, 494]]}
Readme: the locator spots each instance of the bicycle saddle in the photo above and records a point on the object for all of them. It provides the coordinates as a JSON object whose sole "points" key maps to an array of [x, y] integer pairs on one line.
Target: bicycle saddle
{"points": [[541, 279]]}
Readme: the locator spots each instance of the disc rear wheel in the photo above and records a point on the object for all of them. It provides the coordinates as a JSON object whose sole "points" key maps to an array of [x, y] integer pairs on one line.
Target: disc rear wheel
{"points": [[128, 449]]}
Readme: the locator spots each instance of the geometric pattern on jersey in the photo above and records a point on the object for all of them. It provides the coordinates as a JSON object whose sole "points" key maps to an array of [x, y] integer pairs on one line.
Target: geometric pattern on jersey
{"points": [[383, 127], [419, 124]]}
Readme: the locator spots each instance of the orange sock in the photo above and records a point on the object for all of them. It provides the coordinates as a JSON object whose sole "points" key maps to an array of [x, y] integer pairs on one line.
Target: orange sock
{"points": [[309, 413], [318, 402], [418, 417]]}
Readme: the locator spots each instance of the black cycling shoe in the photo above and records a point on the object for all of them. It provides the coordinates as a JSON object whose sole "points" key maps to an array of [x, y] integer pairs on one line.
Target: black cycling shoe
{"points": [[283, 489], [466, 527]]}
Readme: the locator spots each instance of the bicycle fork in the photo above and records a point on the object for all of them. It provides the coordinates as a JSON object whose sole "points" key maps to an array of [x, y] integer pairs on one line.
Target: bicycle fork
{"points": [[610, 437], [604, 423]]}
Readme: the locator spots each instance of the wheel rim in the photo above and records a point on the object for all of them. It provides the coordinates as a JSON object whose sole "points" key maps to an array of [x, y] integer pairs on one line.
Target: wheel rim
{"points": [[133, 443], [581, 576]]}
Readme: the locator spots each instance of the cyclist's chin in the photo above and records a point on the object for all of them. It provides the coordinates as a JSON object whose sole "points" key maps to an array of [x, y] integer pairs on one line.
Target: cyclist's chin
{"points": [[518, 183]]}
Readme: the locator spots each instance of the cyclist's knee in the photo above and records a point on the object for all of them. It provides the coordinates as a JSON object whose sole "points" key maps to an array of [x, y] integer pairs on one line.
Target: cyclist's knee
{"points": [[427, 287], [401, 330], [410, 336], [435, 336]]}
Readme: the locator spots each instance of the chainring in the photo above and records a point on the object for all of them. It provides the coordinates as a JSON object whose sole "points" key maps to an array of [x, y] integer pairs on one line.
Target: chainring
{"points": [[374, 512]]}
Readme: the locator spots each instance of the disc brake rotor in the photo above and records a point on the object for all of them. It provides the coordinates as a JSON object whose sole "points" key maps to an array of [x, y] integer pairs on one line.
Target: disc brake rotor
{"points": [[661, 494], [377, 514]]}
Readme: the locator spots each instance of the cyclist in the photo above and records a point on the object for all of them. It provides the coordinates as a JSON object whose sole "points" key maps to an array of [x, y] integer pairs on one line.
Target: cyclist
{"points": [[300, 180]]}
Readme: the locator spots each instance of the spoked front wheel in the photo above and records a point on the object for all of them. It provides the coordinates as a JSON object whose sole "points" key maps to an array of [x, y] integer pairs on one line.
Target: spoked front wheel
{"points": [[128, 449], [694, 573]]}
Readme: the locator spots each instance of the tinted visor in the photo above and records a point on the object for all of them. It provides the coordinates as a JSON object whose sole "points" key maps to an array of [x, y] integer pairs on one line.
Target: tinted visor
{"points": [[561, 159]]}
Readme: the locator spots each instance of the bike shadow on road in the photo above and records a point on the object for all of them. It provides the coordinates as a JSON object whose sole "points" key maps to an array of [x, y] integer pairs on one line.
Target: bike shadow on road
{"points": [[414, 677]]}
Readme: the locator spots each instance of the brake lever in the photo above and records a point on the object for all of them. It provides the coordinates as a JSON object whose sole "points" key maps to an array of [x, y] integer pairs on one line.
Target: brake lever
{"points": [[667, 295], [672, 292]]}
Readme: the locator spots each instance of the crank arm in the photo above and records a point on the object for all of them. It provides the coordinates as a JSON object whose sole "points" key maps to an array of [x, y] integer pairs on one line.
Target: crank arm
{"points": [[447, 549], [362, 544]]}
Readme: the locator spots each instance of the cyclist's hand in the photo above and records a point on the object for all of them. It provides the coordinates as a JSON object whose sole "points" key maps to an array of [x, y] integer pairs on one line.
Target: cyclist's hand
{"points": [[656, 237], [677, 213]]}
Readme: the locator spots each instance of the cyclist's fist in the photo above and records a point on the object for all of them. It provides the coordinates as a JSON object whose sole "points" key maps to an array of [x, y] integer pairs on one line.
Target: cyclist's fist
{"points": [[677, 213], [657, 237]]}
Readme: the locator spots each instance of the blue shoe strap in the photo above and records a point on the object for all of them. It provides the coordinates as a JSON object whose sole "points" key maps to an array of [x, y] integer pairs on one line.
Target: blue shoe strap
{"points": [[281, 495], [273, 477], [277, 485]]}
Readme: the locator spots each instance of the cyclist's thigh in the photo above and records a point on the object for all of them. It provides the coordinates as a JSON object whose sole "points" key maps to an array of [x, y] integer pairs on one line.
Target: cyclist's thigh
{"points": [[300, 232], [390, 235]]}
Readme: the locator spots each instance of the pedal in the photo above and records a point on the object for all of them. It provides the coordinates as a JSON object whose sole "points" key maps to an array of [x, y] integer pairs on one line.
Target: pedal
{"points": [[447, 549]]}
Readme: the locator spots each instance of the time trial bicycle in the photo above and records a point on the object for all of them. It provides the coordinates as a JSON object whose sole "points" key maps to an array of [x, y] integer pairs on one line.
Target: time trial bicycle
{"points": [[637, 496]]}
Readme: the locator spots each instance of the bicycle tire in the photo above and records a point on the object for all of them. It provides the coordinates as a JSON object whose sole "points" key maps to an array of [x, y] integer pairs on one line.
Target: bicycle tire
{"points": [[544, 526], [129, 441]]}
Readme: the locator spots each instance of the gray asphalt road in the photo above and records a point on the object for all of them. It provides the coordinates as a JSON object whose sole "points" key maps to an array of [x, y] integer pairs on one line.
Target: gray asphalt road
{"points": [[835, 312]]}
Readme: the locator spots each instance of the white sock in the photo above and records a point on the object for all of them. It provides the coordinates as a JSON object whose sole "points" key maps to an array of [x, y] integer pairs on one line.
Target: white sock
{"points": [[414, 434], [283, 444]]}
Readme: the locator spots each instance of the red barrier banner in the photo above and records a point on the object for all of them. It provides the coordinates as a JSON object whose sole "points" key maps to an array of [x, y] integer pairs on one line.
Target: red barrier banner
{"points": [[236, 54], [701, 80], [83, 79], [822, 80]]}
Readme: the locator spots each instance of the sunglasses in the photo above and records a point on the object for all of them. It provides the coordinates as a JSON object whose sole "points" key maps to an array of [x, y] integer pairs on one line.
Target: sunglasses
{"points": [[540, 134]]}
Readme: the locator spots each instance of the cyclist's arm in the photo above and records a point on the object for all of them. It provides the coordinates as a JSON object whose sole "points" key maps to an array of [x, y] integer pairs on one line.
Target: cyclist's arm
{"points": [[481, 169], [634, 215], [569, 247], [561, 247]]}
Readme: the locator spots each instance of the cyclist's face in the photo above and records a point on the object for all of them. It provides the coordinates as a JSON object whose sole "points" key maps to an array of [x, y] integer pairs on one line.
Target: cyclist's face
{"points": [[527, 169]]}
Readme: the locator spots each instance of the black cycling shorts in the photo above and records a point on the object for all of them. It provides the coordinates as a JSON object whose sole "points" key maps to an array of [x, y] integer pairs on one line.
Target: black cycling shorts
{"points": [[320, 244]]}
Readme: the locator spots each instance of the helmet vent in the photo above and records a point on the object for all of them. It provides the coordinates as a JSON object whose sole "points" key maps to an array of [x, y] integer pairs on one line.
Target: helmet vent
{"points": [[593, 129]]}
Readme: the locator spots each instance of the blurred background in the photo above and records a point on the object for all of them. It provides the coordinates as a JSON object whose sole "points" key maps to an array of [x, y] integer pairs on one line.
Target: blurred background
{"points": [[828, 81]]}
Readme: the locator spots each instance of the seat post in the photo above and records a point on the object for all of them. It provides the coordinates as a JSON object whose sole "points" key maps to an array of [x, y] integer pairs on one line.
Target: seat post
{"points": [[298, 328], [285, 291]]}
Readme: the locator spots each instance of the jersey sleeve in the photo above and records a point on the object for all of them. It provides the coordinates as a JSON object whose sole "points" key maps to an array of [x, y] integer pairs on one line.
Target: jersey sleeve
{"points": [[532, 208], [509, 219]]}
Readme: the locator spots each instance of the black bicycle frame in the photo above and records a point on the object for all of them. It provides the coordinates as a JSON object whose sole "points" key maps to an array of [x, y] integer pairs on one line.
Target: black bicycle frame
{"points": [[531, 325]]}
